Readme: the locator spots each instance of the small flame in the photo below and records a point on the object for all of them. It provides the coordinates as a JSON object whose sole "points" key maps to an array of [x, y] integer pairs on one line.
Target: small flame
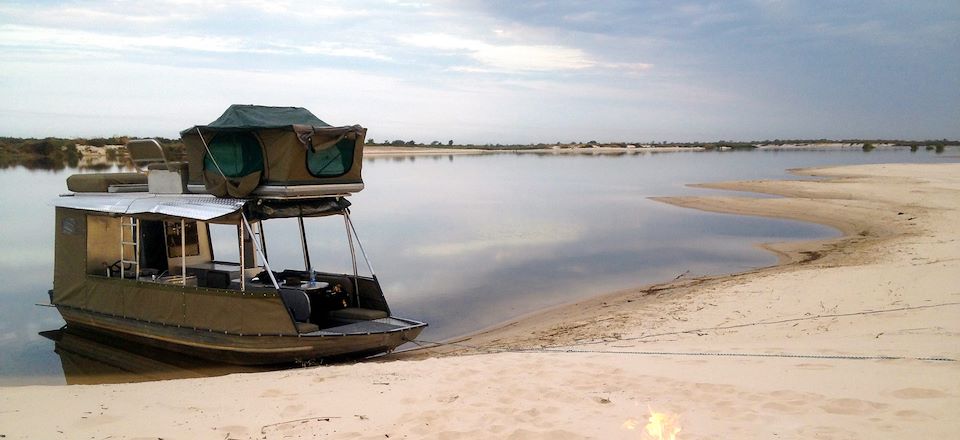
{"points": [[660, 426], [663, 426]]}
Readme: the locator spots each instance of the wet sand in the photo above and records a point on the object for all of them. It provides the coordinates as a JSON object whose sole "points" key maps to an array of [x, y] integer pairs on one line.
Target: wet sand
{"points": [[854, 337]]}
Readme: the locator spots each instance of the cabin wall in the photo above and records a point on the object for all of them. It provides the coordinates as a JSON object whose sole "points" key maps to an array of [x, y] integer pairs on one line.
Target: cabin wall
{"points": [[103, 243], [69, 270], [197, 308], [79, 282]]}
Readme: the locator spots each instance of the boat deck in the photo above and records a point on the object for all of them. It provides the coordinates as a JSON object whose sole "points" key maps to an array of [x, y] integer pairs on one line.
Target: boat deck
{"points": [[365, 327]]}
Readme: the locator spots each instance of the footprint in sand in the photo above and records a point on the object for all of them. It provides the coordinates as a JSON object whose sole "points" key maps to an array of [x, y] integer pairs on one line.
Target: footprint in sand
{"points": [[783, 395], [851, 406], [715, 388], [727, 409], [918, 393], [784, 408], [912, 415], [271, 393], [234, 431], [808, 366], [825, 432], [291, 410], [554, 434]]}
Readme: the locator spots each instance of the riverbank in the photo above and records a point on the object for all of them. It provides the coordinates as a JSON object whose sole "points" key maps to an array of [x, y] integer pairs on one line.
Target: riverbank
{"points": [[845, 339]]}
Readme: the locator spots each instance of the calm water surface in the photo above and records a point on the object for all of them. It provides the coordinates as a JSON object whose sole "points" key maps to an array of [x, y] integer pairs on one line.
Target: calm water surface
{"points": [[462, 242]]}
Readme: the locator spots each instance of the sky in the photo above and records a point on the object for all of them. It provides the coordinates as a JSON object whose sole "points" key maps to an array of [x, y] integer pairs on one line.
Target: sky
{"points": [[489, 71]]}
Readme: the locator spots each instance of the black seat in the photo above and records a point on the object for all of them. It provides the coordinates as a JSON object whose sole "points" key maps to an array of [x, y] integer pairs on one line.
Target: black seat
{"points": [[297, 302], [218, 279]]}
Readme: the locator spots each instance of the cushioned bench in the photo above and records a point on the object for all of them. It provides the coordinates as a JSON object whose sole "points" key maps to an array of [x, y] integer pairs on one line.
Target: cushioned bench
{"points": [[102, 182]]}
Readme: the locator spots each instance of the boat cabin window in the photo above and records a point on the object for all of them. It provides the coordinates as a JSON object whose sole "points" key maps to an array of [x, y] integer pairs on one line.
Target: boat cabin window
{"points": [[238, 154], [176, 239], [152, 246], [333, 161], [223, 239]]}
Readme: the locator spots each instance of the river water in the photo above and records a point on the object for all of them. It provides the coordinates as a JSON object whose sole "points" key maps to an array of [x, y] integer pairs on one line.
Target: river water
{"points": [[461, 242]]}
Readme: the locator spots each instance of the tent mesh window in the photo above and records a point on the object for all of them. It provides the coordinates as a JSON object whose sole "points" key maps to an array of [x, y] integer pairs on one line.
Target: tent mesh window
{"points": [[333, 161], [238, 154]]}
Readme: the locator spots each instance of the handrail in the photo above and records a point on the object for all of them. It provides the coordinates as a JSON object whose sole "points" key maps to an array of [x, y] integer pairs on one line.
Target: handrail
{"points": [[256, 247], [346, 213]]}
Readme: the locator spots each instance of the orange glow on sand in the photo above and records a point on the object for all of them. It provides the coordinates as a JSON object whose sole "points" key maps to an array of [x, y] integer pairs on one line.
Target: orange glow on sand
{"points": [[660, 426]]}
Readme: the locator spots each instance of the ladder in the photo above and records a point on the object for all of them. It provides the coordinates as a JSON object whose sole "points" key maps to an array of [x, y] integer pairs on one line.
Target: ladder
{"points": [[130, 244]]}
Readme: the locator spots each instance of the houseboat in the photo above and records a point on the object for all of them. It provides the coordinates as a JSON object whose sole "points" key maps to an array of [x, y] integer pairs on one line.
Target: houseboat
{"points": [[135, 260]]}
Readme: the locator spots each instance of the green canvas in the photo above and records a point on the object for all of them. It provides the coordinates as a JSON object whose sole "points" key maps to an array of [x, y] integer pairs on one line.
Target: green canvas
{"points": [[237, 154], [248, 117]]}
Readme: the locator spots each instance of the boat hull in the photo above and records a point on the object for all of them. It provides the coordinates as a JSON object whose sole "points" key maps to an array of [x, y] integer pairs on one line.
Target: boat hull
{"points": [[245, 349]]}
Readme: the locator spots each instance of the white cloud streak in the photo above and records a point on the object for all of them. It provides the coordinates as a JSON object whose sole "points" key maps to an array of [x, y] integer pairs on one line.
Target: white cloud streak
{"points": [[50, 39], [512, 57]]}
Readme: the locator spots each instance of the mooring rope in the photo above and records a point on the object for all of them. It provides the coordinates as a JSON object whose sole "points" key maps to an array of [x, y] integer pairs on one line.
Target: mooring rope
{"points": [[569, 348], [783, 321], [549, 350]]}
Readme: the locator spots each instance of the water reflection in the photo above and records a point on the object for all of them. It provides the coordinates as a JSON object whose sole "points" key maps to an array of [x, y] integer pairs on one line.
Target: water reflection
{"points": [[462, 243], [62, 162], [87, 359]]}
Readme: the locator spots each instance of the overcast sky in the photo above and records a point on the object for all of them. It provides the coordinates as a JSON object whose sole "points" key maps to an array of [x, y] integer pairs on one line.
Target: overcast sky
{"points": [[489, 71]]}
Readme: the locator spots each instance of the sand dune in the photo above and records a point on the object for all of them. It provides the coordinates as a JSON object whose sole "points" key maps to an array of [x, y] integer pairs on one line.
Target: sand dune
{"points": [[855, 337]]}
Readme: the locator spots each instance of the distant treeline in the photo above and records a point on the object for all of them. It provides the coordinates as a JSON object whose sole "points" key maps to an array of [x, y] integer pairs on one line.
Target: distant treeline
{"points": [[933, 143], [57, 153]]}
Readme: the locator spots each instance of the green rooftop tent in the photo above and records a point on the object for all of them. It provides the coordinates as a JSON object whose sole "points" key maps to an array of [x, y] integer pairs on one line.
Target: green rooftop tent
{"points": [[273, 152]]}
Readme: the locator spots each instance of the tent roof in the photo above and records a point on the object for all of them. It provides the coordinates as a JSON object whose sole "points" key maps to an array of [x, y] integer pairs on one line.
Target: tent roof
{"points": [[250, 117]]}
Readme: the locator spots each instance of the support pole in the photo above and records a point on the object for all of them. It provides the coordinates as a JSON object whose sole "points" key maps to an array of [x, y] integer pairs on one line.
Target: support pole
{"points": [[303, 244], [266, 265], [363, 252], [353, 256], [136, 240], [263, 240], [183, 251], [121, 252], [243, 264]]}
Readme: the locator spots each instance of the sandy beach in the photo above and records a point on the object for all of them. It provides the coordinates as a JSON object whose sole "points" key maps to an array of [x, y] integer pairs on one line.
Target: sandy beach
{"points": [[856, 337]]}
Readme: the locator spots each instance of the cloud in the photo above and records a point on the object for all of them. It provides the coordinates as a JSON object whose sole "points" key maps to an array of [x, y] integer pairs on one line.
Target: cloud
{"points": [[13, 36], [159, 11], [147, 13], [513, 57], [31, 37], [86, 15]]}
